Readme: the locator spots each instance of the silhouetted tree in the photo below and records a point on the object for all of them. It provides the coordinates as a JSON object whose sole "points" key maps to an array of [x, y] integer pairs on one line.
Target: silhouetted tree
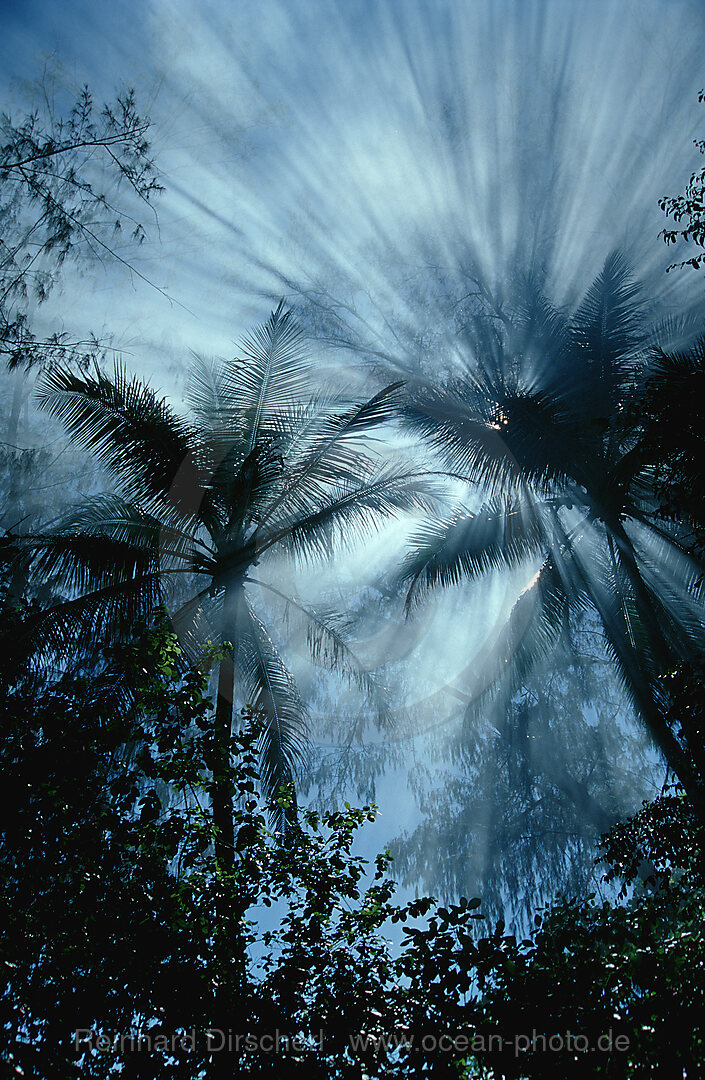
{"points": [[74, 179], [513, 802], [688, 211], [60, 176], [262, 465], [542, 424]]}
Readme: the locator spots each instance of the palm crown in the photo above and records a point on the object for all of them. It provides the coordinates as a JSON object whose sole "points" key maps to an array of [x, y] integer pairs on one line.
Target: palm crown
{"points": [[544, 424], [261, 465]]}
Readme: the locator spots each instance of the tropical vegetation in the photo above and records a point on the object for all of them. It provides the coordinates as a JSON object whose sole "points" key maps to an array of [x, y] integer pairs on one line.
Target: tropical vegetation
{"points": [[170, 908], [546, 425]]}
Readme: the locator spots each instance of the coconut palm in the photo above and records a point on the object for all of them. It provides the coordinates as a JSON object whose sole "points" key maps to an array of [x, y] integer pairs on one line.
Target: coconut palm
{"points": [[543, 422], [262, 465]]}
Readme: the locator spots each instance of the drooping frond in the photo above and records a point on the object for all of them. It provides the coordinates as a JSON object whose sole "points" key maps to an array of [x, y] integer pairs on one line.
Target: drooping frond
{"points": [[197, 622], [111, 517], [76, 629], [79, 564], [625, 635], [501, 535], [673, 584], [627, 620], [130, 430], [329, 646], [269, 687]]}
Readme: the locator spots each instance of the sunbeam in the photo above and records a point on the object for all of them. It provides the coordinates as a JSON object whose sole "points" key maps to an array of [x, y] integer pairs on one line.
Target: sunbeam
{"points": [[409, 177]]}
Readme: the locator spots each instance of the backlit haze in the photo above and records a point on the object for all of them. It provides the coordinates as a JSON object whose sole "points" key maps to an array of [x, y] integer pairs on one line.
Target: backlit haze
{"points": [[372, 162]]}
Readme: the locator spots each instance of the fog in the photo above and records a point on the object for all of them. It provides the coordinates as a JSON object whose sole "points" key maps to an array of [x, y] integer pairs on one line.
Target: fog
{"points": [[385, 167]]}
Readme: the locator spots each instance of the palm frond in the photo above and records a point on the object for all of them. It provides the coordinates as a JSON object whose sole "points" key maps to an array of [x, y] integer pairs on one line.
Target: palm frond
{"points": [[676, 331], [329, 646], [540, 335], [130, 430], [207, 394], [239, 487], [605, 582], [272, 372], [76, 629], [268, 686], [536, 625], [672, 584], [352, 512], [675, 370], [111, 517], [196, 622], [626, 638], [332, 451], [608, 330], [501, 535], [542, 439], [462, 437], [511, 438], [81, 565]]}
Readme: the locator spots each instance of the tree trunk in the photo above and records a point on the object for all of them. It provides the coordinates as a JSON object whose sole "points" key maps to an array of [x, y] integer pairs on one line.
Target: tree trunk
{"points": [[222, 795], [10, 513], [230, 953], [664, 737]]}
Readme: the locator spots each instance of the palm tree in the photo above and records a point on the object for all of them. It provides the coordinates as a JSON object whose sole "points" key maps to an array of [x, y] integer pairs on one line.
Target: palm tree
{"points": [[543, 422], [263, 464]]}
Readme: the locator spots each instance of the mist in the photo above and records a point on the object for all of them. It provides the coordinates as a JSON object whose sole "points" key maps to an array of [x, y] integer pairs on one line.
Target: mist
{"points": [[390, 170]]}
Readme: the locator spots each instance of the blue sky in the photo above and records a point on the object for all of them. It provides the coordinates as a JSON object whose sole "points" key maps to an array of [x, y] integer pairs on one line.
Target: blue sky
{"points": [[329, 141], [362, 153]]}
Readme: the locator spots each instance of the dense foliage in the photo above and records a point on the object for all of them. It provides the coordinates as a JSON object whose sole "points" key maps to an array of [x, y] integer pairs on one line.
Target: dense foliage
{"points": [[169, 910], [601, 969], [111, 890]]}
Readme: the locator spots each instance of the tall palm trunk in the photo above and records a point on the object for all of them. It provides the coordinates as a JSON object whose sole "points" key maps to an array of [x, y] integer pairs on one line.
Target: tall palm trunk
{"points": [[222, 794], [666, 740], [230, 949]]}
